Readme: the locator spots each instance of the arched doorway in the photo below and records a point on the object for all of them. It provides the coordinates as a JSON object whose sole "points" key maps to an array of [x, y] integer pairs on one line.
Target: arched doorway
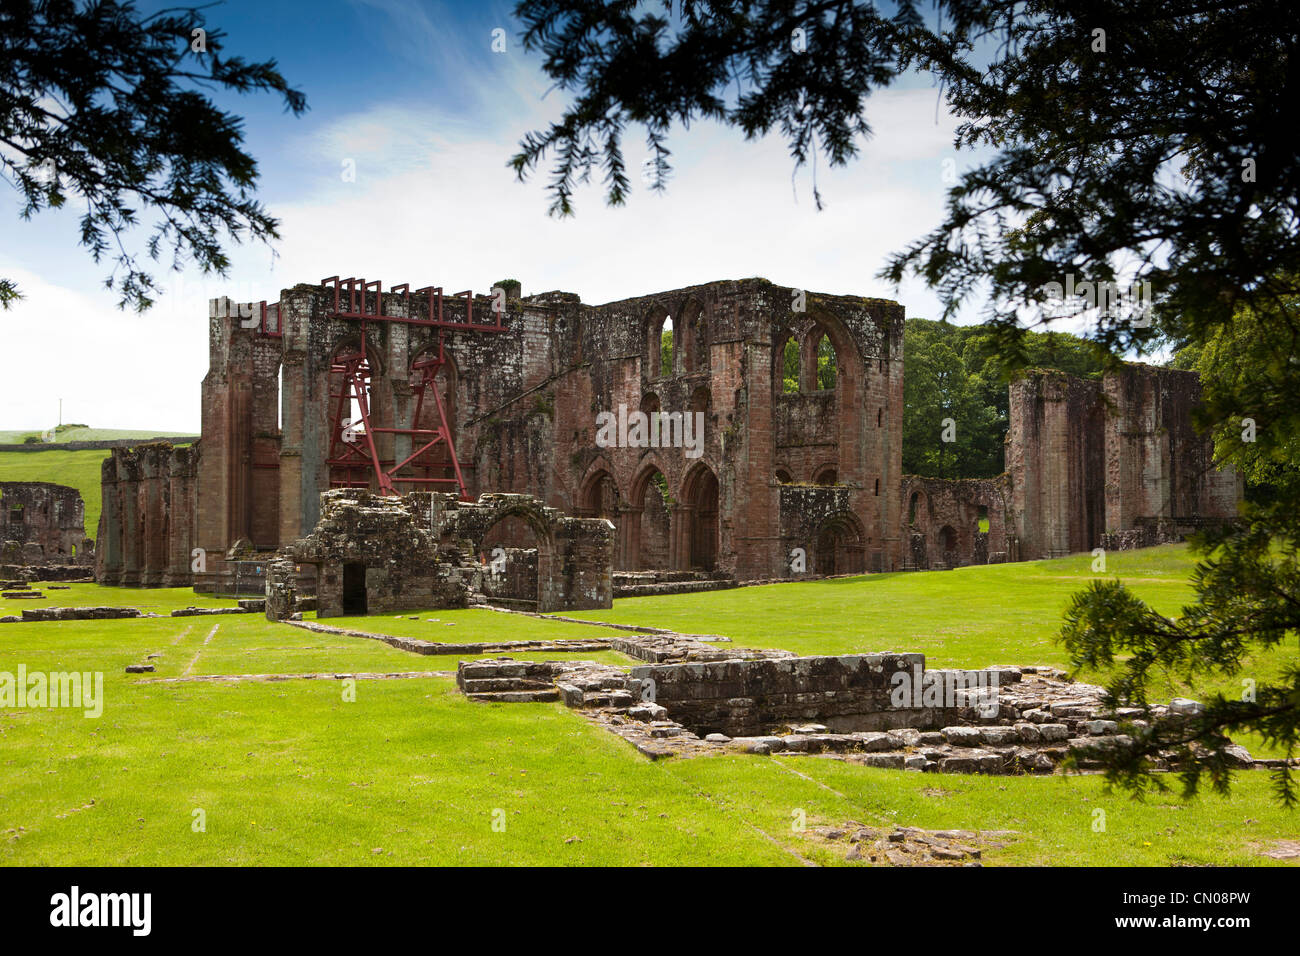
{"points": [[948, 545], [700, 495], [839, 546], [600, 499], [515, 556], [651, 518]]}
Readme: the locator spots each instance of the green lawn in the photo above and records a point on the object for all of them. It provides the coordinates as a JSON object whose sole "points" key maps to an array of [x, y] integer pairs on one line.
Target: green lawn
{"points": [[969, 617], [77, 469], [410, 772]]}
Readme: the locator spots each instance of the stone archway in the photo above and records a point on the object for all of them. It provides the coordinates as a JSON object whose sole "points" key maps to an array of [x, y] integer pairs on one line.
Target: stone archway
{"points": [[699, 512], [948, 545], [600, 498], [840, 546], [517, 553], [649, 517]]}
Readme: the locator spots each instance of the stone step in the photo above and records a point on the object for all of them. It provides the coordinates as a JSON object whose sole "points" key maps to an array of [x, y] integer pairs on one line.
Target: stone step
{"points": [[608, 698], [484, 685], [518, 696], [673, 587]]}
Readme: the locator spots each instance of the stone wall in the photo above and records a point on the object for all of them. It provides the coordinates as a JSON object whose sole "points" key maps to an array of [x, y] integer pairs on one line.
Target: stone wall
{"points": [[750, 697], [375, 554], [1158, 467], [943, 518], [390, 547], [524, 403], [148, 517], [42, 523], [1056, 459], [1091, 460]]}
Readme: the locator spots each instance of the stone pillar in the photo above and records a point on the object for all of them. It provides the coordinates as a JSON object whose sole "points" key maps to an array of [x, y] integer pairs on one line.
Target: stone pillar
{"points": [[108, 543]]}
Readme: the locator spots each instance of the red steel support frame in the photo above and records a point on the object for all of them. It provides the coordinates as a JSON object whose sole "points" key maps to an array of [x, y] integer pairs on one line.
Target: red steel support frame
{"points": [[355, 369]]}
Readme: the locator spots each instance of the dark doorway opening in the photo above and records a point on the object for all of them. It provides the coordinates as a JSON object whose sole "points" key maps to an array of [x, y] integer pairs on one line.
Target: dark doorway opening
{"points": [[354, 588]]}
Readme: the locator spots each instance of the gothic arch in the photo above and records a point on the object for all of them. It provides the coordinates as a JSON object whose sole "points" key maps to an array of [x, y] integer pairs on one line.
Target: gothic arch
{"points": [[840, 545], [650, 520], [691, 338]]}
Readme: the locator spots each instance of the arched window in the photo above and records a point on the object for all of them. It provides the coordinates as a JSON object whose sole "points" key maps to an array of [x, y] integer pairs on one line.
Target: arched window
{"points": [[666, 347], [790, 366], [826, 365], [783, 476], [948, 538], [692, 339], [911, 508]]}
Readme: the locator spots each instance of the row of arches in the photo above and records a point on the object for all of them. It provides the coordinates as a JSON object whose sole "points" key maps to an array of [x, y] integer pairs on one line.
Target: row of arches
{"points": [[677, 347], [655, 528], [808, 362], [826, 475]]}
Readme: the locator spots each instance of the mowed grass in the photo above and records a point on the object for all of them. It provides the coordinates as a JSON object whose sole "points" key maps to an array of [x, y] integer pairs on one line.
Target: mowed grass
{"points": [[148, 600], [968, 617], [410, 772]]}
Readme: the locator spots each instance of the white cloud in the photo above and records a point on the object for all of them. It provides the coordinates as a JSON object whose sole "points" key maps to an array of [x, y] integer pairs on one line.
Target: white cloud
{"points": [[434, 203], [112, 369]]}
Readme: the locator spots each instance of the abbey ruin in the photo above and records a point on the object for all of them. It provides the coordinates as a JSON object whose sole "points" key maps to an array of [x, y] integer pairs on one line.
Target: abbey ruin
{"points": [[444, 399]]}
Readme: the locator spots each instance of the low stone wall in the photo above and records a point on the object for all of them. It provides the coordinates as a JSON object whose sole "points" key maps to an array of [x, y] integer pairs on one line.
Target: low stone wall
{"points": [[747, 697], [38, 572], [1149, 532], [96, 445], [79, 613]]}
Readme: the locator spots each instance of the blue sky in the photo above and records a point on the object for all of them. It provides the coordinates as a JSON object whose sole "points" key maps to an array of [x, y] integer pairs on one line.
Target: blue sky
{"points": [[414, 97]]}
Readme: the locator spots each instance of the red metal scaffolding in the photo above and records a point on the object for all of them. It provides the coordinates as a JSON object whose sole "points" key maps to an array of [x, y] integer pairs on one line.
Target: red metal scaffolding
{"points": [[353, 455]]}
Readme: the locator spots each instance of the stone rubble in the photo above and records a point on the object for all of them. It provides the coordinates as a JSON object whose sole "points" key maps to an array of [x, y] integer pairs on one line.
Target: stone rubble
{"points": [[1042, 718]]}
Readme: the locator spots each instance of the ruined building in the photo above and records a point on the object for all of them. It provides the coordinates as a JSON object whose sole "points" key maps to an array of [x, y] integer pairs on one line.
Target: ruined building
{"points": [[1113, 463], [773, 469], [596, 412], [42, 524]]}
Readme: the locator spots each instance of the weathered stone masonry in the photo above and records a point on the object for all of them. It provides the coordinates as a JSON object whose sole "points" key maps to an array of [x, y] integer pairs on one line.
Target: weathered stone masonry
{"points": [[42, 523], [523, 409], [782, 472], [1113, 463], [375, 554]]}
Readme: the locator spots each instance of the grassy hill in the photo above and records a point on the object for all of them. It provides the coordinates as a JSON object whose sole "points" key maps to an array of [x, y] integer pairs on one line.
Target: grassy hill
{"points": [[78, 469], [67, 433]]}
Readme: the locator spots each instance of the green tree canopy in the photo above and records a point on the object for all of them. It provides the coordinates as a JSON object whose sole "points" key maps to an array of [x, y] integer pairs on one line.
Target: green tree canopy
{"points": [[107, 109], [1129, 139]]}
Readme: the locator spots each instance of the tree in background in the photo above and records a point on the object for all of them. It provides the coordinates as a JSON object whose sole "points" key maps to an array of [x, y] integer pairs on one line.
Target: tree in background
{"points": [[1130, 139], [105, 107], [954, 372]]}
